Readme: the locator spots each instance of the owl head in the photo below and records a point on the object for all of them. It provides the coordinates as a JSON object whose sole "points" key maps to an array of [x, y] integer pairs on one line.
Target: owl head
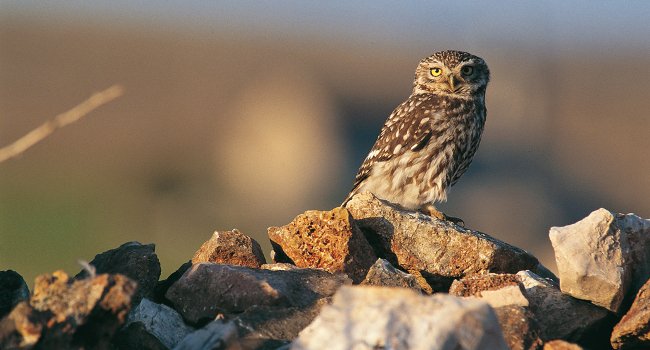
{"points": [[451, 72]]}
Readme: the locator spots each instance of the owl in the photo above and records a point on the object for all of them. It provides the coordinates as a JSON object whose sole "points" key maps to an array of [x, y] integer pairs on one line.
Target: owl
{"points": [[429, 140]]}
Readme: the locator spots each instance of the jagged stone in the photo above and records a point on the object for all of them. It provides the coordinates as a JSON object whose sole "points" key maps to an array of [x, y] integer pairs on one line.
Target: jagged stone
{"points": [[324, 239], [438, 249], [216, 335], [633, 331], [520, 329], [561, 345], [209, 289], [160, 321], [134, 260], [496, 289], [382, 273], [603, 257], [69, 314], [370, 317], [560, 316], [268, 327], [230, 247], [13, 290]]}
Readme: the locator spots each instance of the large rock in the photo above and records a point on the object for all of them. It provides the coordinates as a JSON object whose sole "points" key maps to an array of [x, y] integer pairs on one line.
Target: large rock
{"points": [[558, 344], [382, 273], [13, 290], [207, 290], [560, 316], [230, 247], [134, 260], [158, 320], [69, 314], [633, 331], [369, 317], [520, 329], [603, 257], [496, 289], [324, 239], [438, 249]]}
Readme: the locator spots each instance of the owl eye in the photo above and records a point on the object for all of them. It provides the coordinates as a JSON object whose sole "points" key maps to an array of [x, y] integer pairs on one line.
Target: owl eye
{"points": [[436, 71], [467, 70]]}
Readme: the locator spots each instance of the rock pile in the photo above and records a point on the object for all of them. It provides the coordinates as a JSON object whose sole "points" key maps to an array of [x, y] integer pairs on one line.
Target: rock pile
{"points": [[367, 276]]}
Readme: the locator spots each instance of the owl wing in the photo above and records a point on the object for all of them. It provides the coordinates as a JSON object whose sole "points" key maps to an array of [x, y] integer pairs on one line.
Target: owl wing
{"points": [[408, 128]]}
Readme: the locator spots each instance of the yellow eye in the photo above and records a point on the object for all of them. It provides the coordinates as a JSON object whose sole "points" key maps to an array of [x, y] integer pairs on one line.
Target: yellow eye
{"points": [[436, 71], [467, 70]]}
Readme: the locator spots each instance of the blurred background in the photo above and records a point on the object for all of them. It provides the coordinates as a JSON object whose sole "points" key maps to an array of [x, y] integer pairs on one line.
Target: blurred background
{"points": [[244, 114]]}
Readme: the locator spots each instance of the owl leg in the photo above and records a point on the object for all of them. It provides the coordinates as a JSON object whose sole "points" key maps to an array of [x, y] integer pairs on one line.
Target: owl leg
{"points": [[429, 209]]}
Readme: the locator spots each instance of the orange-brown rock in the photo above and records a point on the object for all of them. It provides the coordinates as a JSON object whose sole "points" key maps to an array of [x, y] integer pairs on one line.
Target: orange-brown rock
{"points": [[324, 239], [232, 248], [633, 331], [561, 345], [520, 329]]}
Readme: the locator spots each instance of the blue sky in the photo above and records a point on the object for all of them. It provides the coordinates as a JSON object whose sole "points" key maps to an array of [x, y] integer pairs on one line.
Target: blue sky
{"points": [[567, 23]]}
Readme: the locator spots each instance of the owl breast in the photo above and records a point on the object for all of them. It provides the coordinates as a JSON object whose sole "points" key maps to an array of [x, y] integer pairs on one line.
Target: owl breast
{"points": [[415, 178]]}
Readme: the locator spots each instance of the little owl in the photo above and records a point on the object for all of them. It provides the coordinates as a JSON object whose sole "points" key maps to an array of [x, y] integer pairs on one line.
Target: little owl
{"points": [[429, 140]]}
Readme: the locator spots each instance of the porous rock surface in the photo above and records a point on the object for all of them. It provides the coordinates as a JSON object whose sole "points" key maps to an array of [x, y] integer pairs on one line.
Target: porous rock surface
{"points": [[520, 329], [496, 289], [324, 239], [633, 331], [370, 317], [65, 313], [603, 258]]}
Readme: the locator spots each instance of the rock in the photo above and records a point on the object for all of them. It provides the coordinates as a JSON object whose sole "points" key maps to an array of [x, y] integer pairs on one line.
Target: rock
{"points": [[370, 317], [561, 345], [520, 329], [603, 257], [162, 286], [209, 289], [382, 273], [158, 320], [633, 331], [230, 247], [13, 290], [416, 242], [216, 335], [560, 316], [69, 314], [133, 260], [496, 289], [324, 239], [267, 327]]}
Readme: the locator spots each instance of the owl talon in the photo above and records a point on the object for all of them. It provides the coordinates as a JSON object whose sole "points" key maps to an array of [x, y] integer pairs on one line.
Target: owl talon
{"points": [[435, 213]]}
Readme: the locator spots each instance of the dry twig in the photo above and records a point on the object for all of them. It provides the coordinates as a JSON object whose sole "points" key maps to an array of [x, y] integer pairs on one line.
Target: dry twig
{"points": [[46, 129]]}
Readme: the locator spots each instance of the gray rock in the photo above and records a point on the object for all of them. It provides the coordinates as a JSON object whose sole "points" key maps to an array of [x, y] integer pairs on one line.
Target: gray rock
{"points": [[560, 316], [370, 317], [160, 321], [603, 257], [134, 260], [216, 335], [209, 289], [230, 247], [382, 273], [13, 290], [520, 329], [438, 249]]}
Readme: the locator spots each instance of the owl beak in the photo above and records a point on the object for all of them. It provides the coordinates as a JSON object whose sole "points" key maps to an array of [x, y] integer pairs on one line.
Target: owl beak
{"points": [[451, 82]]}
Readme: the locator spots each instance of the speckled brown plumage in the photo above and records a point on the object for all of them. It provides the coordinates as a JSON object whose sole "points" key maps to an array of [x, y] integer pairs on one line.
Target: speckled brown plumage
{"points": [[429, 140]]}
